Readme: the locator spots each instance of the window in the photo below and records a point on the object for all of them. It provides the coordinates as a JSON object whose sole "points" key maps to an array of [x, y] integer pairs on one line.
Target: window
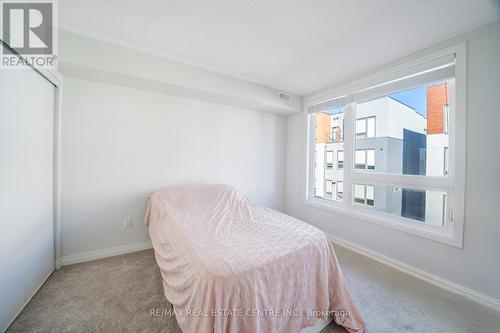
{"points": [[340, 190], [365, 127], [414, 132], [340, 159], [400, 158], [365, 159], [329, 142], [329, 159], [328, 188], [421, 205], [364, 194]]}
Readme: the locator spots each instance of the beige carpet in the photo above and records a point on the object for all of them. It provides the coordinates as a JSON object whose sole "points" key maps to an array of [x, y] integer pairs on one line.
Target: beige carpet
{"points": [[116, 295]]}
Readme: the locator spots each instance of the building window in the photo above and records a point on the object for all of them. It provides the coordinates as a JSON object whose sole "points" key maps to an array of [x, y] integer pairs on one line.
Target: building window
{"points": [[340, 190], [365, 127], [329, 159], [365, 159], [364, 194], [328, 188], [400, 129], [340, 159]]}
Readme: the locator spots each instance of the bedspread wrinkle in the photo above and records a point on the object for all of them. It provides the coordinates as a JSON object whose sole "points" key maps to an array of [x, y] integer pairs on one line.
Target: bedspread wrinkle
{"points": [[229, 265]]}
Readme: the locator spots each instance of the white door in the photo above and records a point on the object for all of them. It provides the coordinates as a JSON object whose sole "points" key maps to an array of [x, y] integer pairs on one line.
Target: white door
{"points": [[26, 187]]}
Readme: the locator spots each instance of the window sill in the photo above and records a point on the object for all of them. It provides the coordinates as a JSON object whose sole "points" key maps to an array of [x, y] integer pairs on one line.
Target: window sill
{"points": [[440, 235]]}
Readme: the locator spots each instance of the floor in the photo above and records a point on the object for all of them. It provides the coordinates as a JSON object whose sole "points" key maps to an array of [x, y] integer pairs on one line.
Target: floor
{"points": [[116, 295]]}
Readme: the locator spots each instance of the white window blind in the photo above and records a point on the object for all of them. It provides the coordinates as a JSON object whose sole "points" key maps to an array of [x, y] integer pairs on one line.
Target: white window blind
{"points": [[440, 69], [335, 103]]}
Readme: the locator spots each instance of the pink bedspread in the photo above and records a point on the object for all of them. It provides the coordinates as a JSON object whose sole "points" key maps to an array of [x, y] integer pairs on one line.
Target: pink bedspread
{"points": [[229, 265]]}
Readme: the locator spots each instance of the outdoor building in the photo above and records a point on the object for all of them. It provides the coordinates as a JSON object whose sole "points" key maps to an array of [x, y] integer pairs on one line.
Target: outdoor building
{"points": [[391, 137]]}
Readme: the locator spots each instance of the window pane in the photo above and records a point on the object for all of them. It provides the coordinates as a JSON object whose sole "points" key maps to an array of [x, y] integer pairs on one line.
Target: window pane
{"points": [[360, 156], [425, 206], [370, 158], [359, 191], [329, 186], [369, 192], [370, 132], [406, 130], [329, 157], [340, 156], [340, 190], [361, 126], [329, 144]]}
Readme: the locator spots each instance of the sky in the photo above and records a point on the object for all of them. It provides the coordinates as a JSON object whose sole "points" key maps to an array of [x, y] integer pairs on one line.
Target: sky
{"points": [[335, 111], [415, 98]]}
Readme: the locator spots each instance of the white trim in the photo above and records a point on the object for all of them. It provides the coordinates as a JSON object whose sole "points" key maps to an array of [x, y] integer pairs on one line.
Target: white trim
{"points": [[52, 75], [28, 299], [406, 181], [55, 78], [456, 288], [453, 184], [397, 223], [458, 141], [104, 253], [57, 171], [349, 148]]}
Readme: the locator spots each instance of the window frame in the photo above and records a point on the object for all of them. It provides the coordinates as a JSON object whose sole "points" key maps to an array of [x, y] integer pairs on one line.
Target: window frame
{"points": [[337, 192], [453, 184], [365, 195], [340, 166], [366, 164]]}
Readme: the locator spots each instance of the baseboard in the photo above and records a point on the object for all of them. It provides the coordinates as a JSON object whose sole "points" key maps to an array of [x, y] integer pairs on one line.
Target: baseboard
{"points": [[103, 253], [28, 299], [471, 294]]}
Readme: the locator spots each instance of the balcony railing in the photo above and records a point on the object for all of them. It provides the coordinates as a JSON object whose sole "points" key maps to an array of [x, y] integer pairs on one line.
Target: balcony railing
{"points": [[337, 136]]}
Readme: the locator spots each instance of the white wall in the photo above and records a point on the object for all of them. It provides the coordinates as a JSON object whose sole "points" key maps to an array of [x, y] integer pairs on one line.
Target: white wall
{"points": [[477, 265], [106, 62], [121, 144]]}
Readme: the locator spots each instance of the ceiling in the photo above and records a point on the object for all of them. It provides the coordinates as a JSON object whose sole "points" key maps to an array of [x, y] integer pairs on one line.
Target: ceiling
{"points": [[298, 46]]}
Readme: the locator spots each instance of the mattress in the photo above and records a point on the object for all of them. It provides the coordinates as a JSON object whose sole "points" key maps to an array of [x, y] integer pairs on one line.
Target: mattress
{"points": [[230, 265]]}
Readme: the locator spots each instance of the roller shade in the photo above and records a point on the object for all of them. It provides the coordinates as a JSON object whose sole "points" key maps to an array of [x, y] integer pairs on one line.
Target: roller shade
{"points": [[440, 69], [335, 103]]}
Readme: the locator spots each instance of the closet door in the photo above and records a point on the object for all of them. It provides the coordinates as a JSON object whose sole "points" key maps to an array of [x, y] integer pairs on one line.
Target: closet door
{"points": [[26, 187]]}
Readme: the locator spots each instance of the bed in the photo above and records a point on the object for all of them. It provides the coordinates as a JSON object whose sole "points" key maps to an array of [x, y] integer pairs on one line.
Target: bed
{"points": [[230, 265]]}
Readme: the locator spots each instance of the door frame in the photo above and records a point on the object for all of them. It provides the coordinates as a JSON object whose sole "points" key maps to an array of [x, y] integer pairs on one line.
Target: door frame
{"points": [[56, 79]]}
